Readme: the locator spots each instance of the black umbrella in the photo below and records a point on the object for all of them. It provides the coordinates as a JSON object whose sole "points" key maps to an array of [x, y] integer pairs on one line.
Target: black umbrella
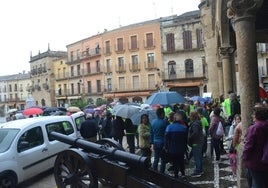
{"points": [[49, 110]]}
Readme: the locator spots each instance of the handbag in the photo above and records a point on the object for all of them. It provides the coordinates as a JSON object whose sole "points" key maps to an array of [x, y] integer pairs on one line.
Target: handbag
{"points": [[220, 131], [264, 158]]}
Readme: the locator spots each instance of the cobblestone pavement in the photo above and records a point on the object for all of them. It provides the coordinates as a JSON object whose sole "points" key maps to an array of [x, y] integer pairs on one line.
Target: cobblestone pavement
{"points": [[216, 175]]}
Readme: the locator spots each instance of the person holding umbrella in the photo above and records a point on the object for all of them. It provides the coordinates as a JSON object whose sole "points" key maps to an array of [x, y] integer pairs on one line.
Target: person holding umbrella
{"points": [[144, 136], [157, 134], [130, 134]]}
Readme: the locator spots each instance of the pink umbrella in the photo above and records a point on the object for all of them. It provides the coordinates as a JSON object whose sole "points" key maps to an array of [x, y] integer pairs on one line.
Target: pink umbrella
{"points": [[32, 111]]}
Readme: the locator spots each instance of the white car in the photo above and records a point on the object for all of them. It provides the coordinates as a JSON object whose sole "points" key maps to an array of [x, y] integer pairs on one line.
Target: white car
{"points": [[26, 149]]}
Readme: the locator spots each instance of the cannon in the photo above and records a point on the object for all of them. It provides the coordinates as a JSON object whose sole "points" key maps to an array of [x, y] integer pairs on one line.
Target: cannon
{"points": [[86, 164]]}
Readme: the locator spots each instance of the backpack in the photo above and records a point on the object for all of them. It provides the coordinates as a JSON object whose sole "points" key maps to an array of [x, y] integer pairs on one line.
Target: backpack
{"points": [[220, 131]]}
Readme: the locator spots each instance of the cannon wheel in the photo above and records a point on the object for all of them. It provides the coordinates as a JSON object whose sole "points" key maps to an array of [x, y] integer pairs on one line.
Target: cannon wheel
{"points": [[73, 168], [107, 142]]}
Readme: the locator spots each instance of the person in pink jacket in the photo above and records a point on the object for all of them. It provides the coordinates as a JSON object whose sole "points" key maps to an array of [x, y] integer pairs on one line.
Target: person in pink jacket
{"points": [[255, 140]]}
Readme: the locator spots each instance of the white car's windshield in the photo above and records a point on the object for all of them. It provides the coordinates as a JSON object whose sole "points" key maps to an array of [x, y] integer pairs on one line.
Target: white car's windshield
{"points": [[6, 138]]}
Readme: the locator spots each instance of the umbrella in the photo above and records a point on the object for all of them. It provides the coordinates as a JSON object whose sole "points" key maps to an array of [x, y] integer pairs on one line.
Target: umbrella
{"points": [[125, 110], [49, 110], [12, 110], [136, 118], [73, 109], [165, 98], [32, 111], [197, 98], [263, 93], [89, 110]]}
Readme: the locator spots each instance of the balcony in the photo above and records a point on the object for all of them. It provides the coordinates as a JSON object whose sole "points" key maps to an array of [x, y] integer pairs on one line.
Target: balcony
{"points": [[134, 67], [150, 65], [108, 70], [73, 60], [120, 68], [89, 54]]}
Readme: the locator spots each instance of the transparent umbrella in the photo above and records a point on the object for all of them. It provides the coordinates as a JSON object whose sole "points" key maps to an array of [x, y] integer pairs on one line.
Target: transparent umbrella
{"points": [[125, 110]]}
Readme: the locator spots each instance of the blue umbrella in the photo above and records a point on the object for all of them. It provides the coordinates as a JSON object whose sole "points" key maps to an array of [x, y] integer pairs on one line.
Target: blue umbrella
{"points": [[165, 98], [198, 98], [136, 118]]}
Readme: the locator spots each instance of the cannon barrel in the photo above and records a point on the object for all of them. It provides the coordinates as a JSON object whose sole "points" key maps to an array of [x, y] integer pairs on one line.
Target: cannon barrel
{"points": [[132, 160]]}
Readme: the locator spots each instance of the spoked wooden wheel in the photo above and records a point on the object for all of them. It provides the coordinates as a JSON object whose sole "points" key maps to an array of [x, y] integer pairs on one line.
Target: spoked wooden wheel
{"points": [[74, 169]]}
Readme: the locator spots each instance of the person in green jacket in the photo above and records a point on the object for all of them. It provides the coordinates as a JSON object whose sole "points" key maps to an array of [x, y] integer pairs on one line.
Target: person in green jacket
{"points": [[144, 136]]}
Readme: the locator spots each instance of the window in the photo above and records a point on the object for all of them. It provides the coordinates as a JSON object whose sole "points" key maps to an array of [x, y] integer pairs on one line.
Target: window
{"points": [[64, 72], [134, 59], [89, 89], [88, 68], [108, 66], [79, 87], [170, 42], [136, 82], [121, 64], [63, 127], [121, 61], [133, 43], [107, 47], [171, 70], [30, 139], [72, 71], [199, 38], [65, 89], [151, 82], [15, 87], [121, 83], [98, 86], [71, 56], [120, 46], [77, 54], [150, 57], [149, 40], [187, 39], [134, 62], [109, 84], [98, 66], [10, 88], [189, 68], [78, 70], [72, 89]]}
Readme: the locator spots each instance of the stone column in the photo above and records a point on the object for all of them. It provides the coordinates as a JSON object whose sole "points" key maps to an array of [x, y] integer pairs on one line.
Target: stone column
{"points": [[243, 14], [220, 77], [227, 69]]}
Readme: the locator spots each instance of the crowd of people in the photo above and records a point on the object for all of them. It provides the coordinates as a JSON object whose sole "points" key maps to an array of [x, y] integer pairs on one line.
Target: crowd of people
{"points": [[180, 133]]}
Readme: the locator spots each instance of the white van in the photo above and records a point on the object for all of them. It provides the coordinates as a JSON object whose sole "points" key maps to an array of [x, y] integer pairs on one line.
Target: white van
{"points": [[26, 149]]}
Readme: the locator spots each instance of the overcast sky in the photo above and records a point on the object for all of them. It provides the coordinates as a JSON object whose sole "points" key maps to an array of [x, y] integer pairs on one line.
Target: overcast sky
{"points": [[30, 25]]}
